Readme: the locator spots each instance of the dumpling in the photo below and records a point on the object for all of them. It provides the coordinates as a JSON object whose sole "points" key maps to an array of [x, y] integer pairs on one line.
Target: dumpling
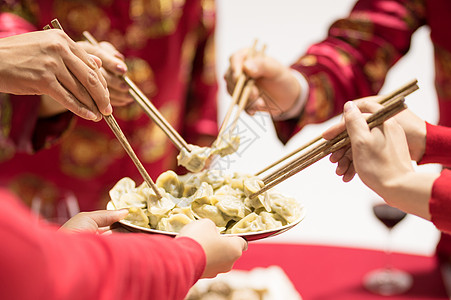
{"points": [[230, 206], [213, 194], [253, 185], [269, 220], [170, 182], [159, 207], [173, 223], [194, 160], [286, 207], [226, 145], [138, 217], [249, 223], [203, 194], [213, 177], [206, 211], [122, 187]]}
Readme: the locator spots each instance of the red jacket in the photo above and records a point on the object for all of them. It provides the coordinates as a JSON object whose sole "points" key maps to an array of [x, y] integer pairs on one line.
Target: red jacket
{"points": [[38, 262]]}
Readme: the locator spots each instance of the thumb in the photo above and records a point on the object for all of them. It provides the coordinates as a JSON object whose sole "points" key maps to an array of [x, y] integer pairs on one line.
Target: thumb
{"points": [[355, 122], [105, 218]]}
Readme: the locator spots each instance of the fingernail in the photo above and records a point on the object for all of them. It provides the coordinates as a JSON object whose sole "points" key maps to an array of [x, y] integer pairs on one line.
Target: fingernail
{"points": [[123, 211], [119, 55], [91, 116], [109, 109], [121, 68], [349, 106]]}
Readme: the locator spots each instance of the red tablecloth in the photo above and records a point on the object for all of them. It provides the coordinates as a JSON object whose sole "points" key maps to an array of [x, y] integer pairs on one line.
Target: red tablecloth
{"points": [[335, 273]]}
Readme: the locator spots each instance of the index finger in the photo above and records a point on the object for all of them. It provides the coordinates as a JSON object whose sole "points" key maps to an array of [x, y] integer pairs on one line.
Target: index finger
{"points": [[356, 124], [86, 70], [334, 130]]}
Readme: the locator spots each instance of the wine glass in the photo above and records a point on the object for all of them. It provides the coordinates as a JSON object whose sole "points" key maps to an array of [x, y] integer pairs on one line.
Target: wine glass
{"points": [[388, 281], [58, 213]]}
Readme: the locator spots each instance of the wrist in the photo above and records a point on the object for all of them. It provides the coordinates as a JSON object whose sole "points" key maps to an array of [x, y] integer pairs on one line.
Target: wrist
{"points": [[301, 92], [417, 144], [410, 192]]}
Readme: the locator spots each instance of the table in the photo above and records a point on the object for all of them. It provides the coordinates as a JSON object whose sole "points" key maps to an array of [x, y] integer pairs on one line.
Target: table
{"points": [[326, 272]]}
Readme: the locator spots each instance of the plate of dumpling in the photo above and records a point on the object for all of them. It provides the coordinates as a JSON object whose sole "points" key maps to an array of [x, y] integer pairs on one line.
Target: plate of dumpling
{"points": [[222, 198]]}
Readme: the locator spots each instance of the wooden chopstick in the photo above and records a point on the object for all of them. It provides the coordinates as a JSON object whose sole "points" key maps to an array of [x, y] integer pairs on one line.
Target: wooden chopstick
{"points": [[250, 83], [237, 91], [283, 169], [111, 121], [326, 147], [402, 92], [148, 106]]}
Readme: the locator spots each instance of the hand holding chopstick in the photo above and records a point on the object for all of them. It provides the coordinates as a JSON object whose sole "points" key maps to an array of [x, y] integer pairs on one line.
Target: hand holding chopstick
{"points": [[401, 92], [240, 96], [111, 121], [148, 106], [394, 105]]}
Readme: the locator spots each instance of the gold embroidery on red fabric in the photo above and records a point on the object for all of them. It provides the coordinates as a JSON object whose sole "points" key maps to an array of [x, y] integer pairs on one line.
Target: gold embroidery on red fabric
{"points": [[5, 115], [189, 47], [7, 149], [141, 73], [86, 153], [377, 68], [209, 66], [151, 140], [29, 186], [79, 16], [208, 13], [308, 60], [156, 17], [442, 59]]}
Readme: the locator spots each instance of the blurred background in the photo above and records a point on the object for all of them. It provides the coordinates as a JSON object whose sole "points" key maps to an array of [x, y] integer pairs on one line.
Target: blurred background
{"points": [[337, 213]]}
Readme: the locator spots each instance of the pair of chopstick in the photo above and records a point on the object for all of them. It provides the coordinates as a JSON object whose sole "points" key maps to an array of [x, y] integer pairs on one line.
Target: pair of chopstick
{"points": [[240, 95], [401, 92], [148, 107], [394, 103], [111, 121]]}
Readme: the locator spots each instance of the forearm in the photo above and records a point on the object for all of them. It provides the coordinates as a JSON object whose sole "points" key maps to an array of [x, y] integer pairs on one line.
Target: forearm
{"points": [[410, 193], [58, 265]]}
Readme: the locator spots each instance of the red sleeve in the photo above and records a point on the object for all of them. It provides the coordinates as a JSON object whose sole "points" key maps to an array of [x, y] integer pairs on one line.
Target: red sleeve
{"points": [[12, 24], [40, 263], [438, 145], [440, 202], [353, 61]]}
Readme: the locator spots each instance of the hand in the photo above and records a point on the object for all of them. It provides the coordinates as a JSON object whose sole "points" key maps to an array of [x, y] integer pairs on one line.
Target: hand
{"points": [[277, 81], [95, 221], [113, 67], [382, 160], [413, 126], [49, 62], [221, 251]]}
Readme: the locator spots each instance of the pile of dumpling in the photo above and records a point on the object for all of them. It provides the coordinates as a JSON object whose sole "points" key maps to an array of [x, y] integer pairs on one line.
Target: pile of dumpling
{"points": [[208, 194]]}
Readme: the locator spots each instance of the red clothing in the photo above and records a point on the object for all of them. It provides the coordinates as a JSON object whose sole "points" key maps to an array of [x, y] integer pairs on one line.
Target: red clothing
{"points": [[354, 59], [169, 50], [438, 146], [37, 262], [438, 149]]}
